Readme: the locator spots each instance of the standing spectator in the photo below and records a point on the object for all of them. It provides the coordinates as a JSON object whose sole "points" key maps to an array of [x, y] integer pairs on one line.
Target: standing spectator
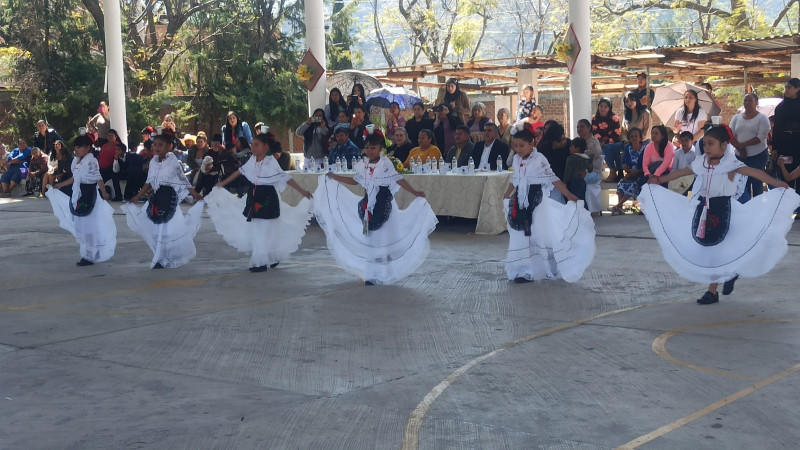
{"points": [[504, 126], [106, 161], [642, 91], [401, 144], [395, 120], [234, 128], [786, 132], [62, 171], [425, 150], [444, 129], [690, 117], [344, 149], [128, 166], [420, 121], [313, 132], [37, 168], [478, 121], [16, 161], [526, 102], [336, 103], [487, 151], [636, 116], [357, 98], [99, 124], [45, 138], [750, 129], [456, 101], [358, 127], [593, 151], [606, 128], [463, 149], [577, 166], [147, 135]]}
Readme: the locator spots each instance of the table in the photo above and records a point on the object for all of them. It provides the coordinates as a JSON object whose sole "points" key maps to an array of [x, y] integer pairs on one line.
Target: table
{"points": [[478, 196]]}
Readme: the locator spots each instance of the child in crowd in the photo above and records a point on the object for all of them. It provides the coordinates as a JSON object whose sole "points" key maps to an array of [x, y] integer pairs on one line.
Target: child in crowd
{"points": [[578, 165], [371, 235], [631, 184], [546, 239], [710, 238], [88, 218], [683, 157], [168, 232], [260, 223]]}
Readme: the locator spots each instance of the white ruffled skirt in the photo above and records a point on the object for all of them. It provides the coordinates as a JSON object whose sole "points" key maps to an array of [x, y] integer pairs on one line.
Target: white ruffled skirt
{"points": [[96, 233], [754, 244], [384, 256], [172, 243], [594, 195], [561, 244], [268, 241]]}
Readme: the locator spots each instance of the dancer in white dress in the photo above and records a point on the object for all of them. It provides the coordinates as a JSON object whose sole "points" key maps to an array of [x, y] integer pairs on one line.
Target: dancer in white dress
{"points": [[260, 223], [546, 239], [88, 218], [709, 238], [371, 236], [168, 232]]}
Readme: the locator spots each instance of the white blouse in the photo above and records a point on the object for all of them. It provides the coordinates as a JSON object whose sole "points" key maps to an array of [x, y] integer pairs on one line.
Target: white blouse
{"points": [[532, 170], [694, 125], [713, 180], [168, 172], [85, 170], [266, 172], [373, 176]]}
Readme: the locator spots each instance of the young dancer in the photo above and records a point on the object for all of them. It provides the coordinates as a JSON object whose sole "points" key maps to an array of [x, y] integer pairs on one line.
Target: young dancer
{"points": [[88, 218], [371, 235], [168, 232], [710, 238], [260, 223], [546, 239]]}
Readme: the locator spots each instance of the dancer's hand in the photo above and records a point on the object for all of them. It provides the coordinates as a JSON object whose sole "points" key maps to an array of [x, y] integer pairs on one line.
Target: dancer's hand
{"points": [[782, 184], [307, 195], [572, 198]]}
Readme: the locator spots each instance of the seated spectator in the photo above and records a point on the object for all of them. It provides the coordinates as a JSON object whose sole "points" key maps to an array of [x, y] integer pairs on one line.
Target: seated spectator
{"points": [[555, 147], [234, 128], [425, 150], [631, 184], [593, 150], [419, 121], [463, 148], [478, 121], [2, 157], [658, 154], [606, 127], [147, 153], [526, 103], [207, 177], [636, 116], [444, 129], [147, 136], [536, 117], [242, 150], [336, 105], [683, 157], [577, 166], [504, 126], [276, 149], [128, 166], [196, 153], [357, 98], [358, 126], [14, 163], [344, 148], [62, 171], [395, 119], [37, 168], [487, 151], [401, 144]]}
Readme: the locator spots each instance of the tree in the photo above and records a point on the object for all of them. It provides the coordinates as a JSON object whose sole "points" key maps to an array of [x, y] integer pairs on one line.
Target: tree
{"points": [[338, 41]]}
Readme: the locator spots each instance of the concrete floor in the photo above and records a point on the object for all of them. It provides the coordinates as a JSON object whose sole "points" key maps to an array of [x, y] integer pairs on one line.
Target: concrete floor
{"points": [[305, 356]]}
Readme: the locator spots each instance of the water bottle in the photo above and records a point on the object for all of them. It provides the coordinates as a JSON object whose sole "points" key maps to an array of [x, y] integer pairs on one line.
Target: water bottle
{"points": [[297, 164], [434, 165], [499, 163], [353, 163], [442, 168], [325, 166], [454, 165], [337, 165], [312, 165], [414, 168], [471, 166]]}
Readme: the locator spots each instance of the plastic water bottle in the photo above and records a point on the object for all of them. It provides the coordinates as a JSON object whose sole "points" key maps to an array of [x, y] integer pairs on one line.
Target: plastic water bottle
{"points": [[337, 165], [471, 166], [499, 163], [434, 165], [297, 164], [414, 168], [325, 166], [354, 162], [454, 165], [442, 168], [312, 165]]}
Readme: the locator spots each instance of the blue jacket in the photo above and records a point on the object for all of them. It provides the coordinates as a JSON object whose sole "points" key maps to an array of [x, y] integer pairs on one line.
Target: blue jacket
{"points": [[347, 151], [242, 130], [23, 155]]}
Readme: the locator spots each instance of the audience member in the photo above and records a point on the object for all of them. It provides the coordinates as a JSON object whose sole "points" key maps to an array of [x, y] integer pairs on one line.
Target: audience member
{"points": [[750, 129], [45, 138], [594, 152], [276, 150], [420, 121], [234, 128], [425, 150], [401, 144], [336, 104], [99, 124], [128, 166], [683, 157], [690, 117], [636, 116], [37, 168], [106, 159], [555, 147], [344, 149], [62, 171], [577, 166], [444, 128], [478, 121], [358, 127], [504, 127], [606, 128], [787, 129], [14, 163], [463, 148], [357, 98], [196, 154], [313, 132], [456, 101], [395, 119], [642, 91], [658, 154], [630, 185], [487, 151], [526, 102]]}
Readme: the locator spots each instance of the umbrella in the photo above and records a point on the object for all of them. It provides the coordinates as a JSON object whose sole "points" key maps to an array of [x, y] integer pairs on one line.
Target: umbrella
{"points": [[766, 106], [345, 79], [669, 98], [383, 97]]}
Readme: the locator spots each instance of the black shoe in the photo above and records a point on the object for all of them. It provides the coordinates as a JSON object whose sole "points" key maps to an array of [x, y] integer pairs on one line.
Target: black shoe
{"points": [[708, 298], [158, 266], [521, 280], [84, 262], [272, 266], [727, 288], [369, 283], [258, 269]]}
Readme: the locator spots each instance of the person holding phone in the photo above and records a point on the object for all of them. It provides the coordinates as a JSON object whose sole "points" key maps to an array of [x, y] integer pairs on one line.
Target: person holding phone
{"points": [[314, 131], [357, 97]]}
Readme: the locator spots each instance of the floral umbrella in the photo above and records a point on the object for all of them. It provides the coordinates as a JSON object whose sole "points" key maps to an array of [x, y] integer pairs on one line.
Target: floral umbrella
{"points": [[345, 79], [669, 98], [383, 97]]}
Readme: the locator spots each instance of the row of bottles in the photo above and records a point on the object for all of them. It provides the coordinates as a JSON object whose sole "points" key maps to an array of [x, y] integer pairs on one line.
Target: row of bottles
{"points": [[417, 166], [338, 166]]}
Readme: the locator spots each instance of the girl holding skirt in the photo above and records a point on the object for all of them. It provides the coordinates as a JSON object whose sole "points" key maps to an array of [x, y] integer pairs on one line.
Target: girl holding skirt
{"points": [[371, 236], [88, 218], [546, 239], [260, 223], [168, 232], [709, 238]]}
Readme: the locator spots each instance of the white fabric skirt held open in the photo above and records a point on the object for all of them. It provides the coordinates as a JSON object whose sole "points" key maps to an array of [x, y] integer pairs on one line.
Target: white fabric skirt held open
{"points": [[268, 241], [172, 242], [755, 243], [384, 256], [96, 233], [561, 244]]}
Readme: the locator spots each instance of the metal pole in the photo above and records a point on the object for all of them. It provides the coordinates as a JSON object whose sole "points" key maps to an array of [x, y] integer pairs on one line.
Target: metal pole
{"points": [[114, 71]]}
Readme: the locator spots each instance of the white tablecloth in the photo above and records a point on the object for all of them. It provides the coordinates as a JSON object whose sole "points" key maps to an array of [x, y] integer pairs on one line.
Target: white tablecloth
{"points": [[478, 196]]}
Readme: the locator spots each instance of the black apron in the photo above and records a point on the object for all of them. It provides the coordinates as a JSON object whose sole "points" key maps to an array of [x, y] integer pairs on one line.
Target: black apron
{"points": [[381, 211], [521, 219], [162, 205], [262, 203], [86, 200], [718, 220]]}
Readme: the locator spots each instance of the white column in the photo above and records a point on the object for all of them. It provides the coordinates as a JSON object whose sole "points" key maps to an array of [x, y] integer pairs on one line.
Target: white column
{"points": [[114, 71], [796, 65], [580, 81], [315, 40]]}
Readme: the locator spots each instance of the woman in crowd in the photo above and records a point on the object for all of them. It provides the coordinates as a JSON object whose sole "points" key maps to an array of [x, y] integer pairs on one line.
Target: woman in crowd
{"points": [[710, 238], [336, 103], [425, 150], [371, 235], [395, 119], [196, 154], [690, 117], [37, 168], [62, 171], [401, 145], [750, 129], [260, 223], [606, 128], [275, 149], [99, 124], [546, 239], [554, 146], [456, 100], [357, 97], [786, 131], [657, 160], [358, 126], [89, 219], [636, 116], [504, 126], [526, 103], [234, 128], [313, 132], [45, 138], [477, 121], [631, 184], [420, 121], [166, 230], [106, 159]]}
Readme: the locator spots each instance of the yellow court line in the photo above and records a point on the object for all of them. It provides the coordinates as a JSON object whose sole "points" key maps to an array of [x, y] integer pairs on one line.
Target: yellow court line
{"points": [[708, 409], [417, 416]]}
